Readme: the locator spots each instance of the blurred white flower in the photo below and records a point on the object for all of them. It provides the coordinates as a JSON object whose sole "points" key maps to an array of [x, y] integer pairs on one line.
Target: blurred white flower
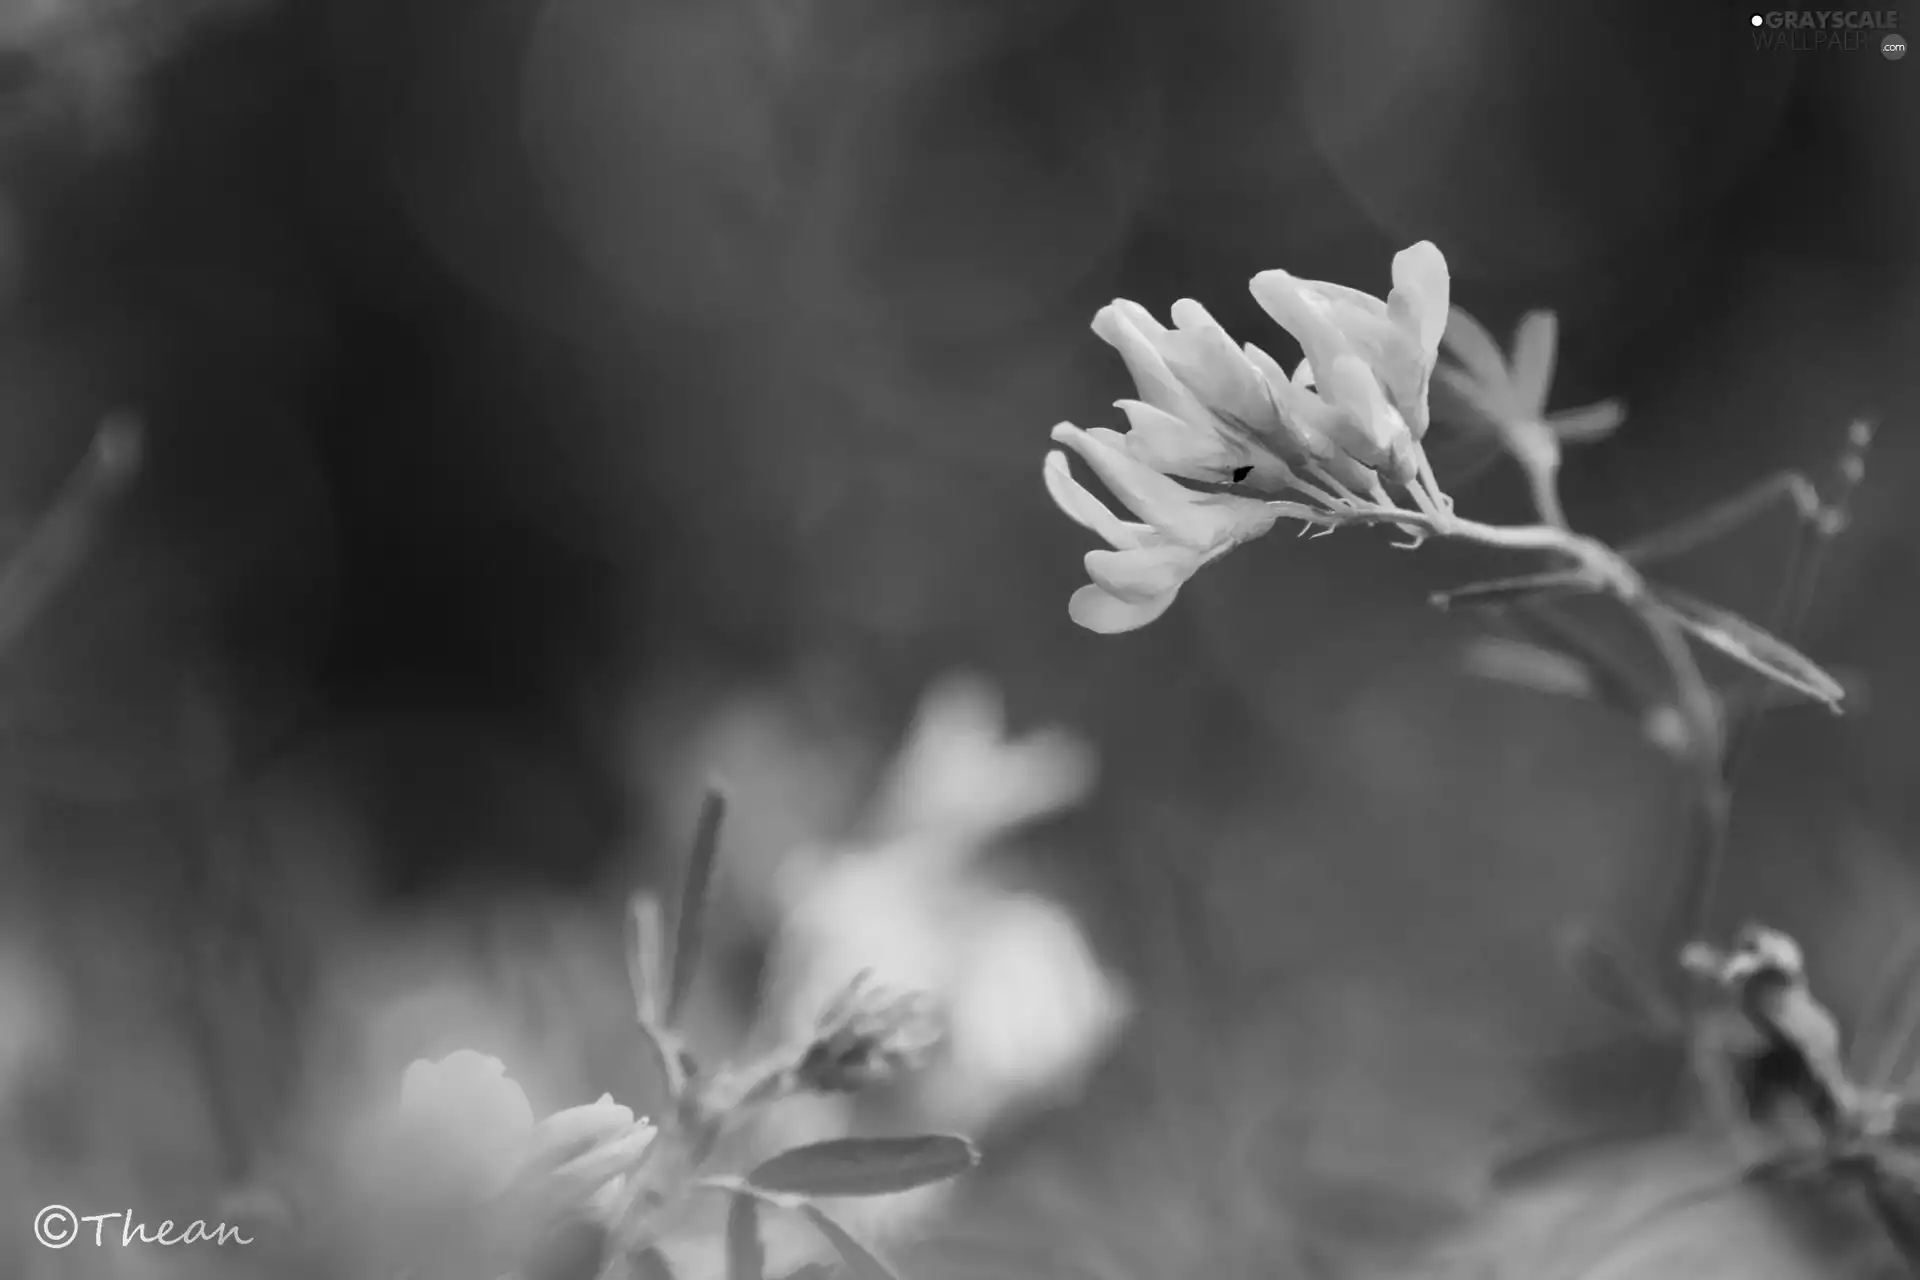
{"points": [[962, 778], [1509, 396], [469, 1132], [1027, 1006], [466, 1119]]}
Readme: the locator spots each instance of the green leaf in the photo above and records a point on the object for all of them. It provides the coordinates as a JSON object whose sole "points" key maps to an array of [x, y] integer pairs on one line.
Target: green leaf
{"points": [[689, 926], [865, 1166], [746, 1254], [1748, 644], [860, 1261]]}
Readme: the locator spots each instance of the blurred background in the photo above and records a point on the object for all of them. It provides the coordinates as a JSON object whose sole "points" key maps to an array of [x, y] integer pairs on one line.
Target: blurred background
{"points": [[549, 404]]}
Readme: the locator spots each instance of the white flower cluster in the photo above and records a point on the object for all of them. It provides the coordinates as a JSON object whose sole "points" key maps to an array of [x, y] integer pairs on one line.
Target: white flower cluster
{"points": [[1346, 425]]}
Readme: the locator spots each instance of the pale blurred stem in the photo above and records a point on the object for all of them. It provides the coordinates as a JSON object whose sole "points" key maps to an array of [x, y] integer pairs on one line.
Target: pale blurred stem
{"points": [[1537, 450], [60, 540]]}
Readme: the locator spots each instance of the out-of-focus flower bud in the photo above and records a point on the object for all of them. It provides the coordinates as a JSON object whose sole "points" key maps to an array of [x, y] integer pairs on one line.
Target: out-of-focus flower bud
{"points": [[869, 1036]]}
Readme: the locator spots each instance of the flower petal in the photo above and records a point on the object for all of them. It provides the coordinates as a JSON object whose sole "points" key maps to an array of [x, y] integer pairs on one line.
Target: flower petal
{"points": [[1096, 610], [1418, 302], [1088, 511], [1176, 446], [1172, 509], [1534, 343], [1311, 421], [1143, 575], [1468, 341], [562, 1134], [1370, 430], [1587, 423], [1140, 339], [1202, 354]]}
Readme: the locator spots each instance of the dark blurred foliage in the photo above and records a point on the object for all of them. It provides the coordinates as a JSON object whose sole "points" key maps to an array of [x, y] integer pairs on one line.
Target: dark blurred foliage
{"points": [[508, 364]]}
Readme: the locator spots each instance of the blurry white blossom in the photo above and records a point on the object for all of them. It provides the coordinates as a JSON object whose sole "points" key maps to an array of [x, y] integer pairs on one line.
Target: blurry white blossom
{"points": [[1509, 394], [464, 1132], [1346, 424], [1502, 402], [1028, 1008], [468, 1119]]}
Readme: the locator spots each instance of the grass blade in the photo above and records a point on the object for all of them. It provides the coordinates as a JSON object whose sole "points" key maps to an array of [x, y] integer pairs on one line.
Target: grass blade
{"points": [[746, 1253], [689, 925]]}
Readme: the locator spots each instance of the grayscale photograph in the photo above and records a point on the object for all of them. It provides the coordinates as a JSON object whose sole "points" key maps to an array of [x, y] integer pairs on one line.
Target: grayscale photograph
{"points": [[958, 640]]}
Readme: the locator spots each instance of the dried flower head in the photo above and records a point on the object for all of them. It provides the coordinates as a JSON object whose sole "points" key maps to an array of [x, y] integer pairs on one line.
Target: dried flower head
{"points": [[869, 1036]]}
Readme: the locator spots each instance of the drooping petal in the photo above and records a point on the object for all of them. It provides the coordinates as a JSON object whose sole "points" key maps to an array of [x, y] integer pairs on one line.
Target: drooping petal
{"points": [[1468, 341], [1587, 423], [1142, 575], [1534, 344], [1088, 511], [1159, 500], [1096, 610]]}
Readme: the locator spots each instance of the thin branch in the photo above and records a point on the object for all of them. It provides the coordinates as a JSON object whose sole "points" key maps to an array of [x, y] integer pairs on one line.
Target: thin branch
{"points": [[1821, 523], [1723, 518]]}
